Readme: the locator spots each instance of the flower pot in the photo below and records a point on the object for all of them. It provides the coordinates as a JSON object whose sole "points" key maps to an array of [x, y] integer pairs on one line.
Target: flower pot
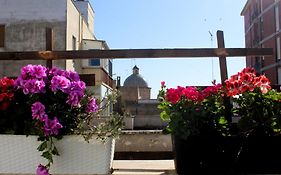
{"points": [[19, 155], [205, 154], [259, 155], [227, 155]]}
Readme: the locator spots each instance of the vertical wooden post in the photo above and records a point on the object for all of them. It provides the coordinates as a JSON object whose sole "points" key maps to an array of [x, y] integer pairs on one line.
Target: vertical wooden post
{"points": [[222, 60], [224, 76], [49, 44]]}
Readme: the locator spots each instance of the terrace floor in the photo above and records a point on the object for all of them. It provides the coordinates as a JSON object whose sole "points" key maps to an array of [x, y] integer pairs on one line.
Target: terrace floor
{"points": [[143, 167]]}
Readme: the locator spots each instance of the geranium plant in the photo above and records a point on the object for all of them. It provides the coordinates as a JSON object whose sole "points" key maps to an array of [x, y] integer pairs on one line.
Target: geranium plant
{"points": [[191, 110], [254, 102], [6, 92], [50, 103]]}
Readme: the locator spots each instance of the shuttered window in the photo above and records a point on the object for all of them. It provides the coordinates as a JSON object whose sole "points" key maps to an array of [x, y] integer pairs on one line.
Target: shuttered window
{"points": [[94, 62], [2, 35]]}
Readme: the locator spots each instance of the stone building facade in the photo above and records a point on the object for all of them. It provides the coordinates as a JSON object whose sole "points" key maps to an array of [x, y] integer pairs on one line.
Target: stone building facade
{"points": [[135, 102], [23, 26]]}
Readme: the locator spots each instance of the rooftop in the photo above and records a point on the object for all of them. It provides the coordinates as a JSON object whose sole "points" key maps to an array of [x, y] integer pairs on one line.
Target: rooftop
{"points": [[143, 167]]}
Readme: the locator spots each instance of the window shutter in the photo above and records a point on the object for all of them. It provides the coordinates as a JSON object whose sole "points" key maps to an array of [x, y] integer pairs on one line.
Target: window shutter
{"points": [[2, 35]]}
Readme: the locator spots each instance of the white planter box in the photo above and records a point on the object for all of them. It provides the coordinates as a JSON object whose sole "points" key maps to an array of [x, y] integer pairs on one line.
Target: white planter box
{"points": [[19, 155]]}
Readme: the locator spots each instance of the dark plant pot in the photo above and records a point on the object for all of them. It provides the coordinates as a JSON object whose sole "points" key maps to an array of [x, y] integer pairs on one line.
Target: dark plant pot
{"points": [[260, 155], [205, 154]]}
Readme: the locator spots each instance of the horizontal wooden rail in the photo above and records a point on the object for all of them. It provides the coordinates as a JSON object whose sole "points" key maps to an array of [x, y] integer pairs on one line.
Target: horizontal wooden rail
{"points": [[136, 53]]}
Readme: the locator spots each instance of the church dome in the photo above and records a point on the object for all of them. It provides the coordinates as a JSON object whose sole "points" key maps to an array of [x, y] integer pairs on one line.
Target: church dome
{"points": [[135, 80]]}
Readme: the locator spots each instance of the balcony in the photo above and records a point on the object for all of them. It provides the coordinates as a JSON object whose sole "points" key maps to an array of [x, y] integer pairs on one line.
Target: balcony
{"points": [[254, 16], [145, 166], [99, 75]]}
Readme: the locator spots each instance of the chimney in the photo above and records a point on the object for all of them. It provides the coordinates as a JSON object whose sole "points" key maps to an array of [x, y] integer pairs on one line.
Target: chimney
{"points": [[118, 81]]}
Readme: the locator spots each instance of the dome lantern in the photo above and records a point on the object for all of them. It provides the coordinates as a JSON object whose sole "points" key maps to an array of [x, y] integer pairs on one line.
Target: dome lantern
{"points": [[135, 80]]}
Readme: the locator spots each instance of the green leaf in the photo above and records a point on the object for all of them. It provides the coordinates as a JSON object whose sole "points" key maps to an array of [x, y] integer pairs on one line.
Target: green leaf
{"points": [[222, 121], [47, 155], [164, 116], [42, 146], [166, 131], [55, 151]]}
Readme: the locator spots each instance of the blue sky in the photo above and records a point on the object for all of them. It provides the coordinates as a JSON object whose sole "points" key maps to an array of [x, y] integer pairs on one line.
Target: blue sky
{"points": [[140, 24]]}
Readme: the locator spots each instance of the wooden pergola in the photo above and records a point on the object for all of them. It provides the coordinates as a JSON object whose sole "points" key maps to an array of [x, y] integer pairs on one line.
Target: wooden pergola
{"points": [[186, 53], [220, 52]]}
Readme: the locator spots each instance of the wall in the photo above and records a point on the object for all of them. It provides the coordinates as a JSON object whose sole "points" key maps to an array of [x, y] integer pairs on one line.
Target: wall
{"points": [[133, 93], [143, 141], [25, 23], [17, 10], [101, 71], [146, 114], [77, 27], [261, 27], [73, 30], [88, 44], [268, 30], [87, 12]]}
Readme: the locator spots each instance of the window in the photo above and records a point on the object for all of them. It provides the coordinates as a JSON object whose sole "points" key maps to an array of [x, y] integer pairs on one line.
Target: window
{"points": [[73, 43], [110, 68], [278, 48], [279, 75], [257, 64], [94, 62], [276, 11], [2, 35]]}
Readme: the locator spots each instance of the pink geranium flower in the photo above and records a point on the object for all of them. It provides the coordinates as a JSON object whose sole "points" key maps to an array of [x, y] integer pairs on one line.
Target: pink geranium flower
{"points": [[42, 170]]}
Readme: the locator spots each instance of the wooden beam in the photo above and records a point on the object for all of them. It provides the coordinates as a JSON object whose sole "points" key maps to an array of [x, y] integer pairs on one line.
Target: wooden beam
{"points": [[136, 53], [222, 59], [49, 45], [224, 76]]}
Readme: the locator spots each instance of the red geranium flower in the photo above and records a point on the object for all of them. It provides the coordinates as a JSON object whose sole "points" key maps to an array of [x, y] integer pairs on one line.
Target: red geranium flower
{"points": [[6, 92]]}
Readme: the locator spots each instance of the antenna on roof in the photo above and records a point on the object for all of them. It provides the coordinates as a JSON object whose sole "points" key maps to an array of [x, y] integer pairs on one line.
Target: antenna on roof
{"points": [[211, 38], [211, 35], [135, 62]]}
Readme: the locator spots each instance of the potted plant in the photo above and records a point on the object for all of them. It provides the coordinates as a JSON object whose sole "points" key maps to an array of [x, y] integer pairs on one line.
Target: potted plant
{"points": [[215, 145], [257, 108], [51, 106], [196, 121]]}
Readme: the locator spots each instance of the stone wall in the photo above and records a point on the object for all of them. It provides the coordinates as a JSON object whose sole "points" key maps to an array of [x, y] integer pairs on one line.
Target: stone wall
{"points": [[134, 93], [143, 141], [25, 29]]}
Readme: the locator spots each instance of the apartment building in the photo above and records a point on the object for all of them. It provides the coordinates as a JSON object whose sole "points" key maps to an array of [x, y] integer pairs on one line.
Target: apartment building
{"points": [[262, 20], [23, 26]]}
